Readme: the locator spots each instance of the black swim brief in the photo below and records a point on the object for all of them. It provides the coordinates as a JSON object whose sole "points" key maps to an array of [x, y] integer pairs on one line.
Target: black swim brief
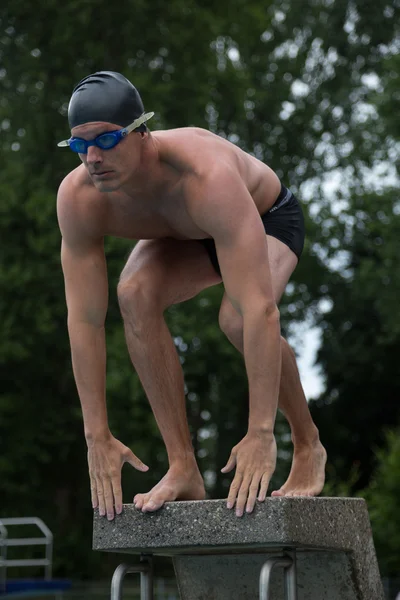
{"points": [[283, 221]]}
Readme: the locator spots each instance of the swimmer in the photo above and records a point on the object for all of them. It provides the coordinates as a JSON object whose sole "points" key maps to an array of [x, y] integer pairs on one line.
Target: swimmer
{"points": [[203, 212]]}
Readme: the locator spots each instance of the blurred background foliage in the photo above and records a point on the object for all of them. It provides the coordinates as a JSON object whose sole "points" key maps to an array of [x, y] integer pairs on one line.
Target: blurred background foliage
{"points": [[309, 86]]}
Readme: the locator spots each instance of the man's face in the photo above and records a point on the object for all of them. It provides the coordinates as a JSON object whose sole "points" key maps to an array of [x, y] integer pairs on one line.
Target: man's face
{"points": [[109, 169]]}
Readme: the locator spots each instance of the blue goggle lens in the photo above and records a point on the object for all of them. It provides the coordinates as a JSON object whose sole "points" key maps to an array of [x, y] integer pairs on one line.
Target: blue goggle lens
{"points": [[79, 146], [107, 141]]}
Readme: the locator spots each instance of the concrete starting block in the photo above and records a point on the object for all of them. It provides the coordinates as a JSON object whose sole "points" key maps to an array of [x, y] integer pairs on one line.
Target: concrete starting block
{"points": [[288, 548]]}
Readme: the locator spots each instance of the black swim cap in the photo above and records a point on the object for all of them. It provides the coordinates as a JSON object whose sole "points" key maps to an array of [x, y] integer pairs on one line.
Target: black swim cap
{"points": [[105, 96]]}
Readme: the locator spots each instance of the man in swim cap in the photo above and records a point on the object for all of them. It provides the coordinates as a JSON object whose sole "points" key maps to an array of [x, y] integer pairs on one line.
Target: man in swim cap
{"points": [[204, 212]]}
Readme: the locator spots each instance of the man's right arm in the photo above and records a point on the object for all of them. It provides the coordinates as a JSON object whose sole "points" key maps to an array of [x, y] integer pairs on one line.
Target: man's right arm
{"points": [[86, 290]]}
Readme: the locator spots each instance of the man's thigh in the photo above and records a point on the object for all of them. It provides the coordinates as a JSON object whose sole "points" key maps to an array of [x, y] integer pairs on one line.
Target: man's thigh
{"points": [[282, 263], [177, 269]]}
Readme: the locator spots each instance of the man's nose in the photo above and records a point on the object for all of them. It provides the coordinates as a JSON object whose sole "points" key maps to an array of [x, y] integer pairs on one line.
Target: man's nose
{"points": [[94, 155]]}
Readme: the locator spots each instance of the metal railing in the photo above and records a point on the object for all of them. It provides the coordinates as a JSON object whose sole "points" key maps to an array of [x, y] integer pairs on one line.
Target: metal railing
{"points": [[288, 562], [7, 542], [145, 568]]}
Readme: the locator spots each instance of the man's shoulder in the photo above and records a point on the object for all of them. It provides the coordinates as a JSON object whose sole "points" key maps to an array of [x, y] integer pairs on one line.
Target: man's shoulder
{"points": [[76, 184], [79, 204], [184, 140], [193, 151], [182, 133]]}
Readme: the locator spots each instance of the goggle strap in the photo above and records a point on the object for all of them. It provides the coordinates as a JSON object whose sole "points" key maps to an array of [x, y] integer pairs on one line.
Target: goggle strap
{"points": [[139, 121]]}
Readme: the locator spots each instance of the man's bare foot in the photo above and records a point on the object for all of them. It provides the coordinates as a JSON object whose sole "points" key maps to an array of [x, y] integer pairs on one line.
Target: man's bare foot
{"points": [[307, 475], [181, 482]]}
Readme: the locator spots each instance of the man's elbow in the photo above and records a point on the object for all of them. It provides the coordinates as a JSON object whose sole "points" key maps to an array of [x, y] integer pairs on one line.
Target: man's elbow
{"points": [[271, 312], [264, 308]]}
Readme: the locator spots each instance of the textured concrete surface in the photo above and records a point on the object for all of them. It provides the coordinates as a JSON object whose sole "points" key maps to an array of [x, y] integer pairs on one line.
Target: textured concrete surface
{"points": [[208, 527], [321, 576]]}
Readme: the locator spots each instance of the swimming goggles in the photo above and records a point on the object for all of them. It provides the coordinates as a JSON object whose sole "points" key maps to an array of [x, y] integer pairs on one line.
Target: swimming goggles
{"points": [[107, 140]]}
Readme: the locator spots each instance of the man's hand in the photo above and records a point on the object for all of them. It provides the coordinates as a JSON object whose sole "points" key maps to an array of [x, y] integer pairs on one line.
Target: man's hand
{"points": [[105, 458], [255, 460]]}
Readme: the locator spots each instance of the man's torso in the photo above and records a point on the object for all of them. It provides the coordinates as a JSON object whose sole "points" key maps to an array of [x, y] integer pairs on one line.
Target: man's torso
{"points": [[159, 209]]}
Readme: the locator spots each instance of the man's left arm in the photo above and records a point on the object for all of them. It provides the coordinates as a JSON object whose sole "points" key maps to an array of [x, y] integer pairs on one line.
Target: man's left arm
{"points": [[224, 209]]}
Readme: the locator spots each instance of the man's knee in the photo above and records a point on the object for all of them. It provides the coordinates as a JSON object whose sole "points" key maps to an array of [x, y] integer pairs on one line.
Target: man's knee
{"points": [[138, 298]]}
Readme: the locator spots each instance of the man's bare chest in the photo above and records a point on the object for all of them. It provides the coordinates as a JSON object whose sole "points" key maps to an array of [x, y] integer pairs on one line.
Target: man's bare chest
{"points": [[151, 216]]}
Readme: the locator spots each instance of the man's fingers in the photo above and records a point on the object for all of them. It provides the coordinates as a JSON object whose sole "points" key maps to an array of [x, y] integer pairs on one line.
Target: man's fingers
{"points": [[100, 497], [135, 462], [251, 500], [264, 487], [117, 492], [242, 496], [108, 498], [105, 462], [230, 464], [233, 490], [93, 492]]}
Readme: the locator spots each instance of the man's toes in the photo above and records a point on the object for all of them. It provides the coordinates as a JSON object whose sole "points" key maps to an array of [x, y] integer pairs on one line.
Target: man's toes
{"points": [[299, 493], [148, 506], [138, 501], [152, 504], [278, 493]]}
